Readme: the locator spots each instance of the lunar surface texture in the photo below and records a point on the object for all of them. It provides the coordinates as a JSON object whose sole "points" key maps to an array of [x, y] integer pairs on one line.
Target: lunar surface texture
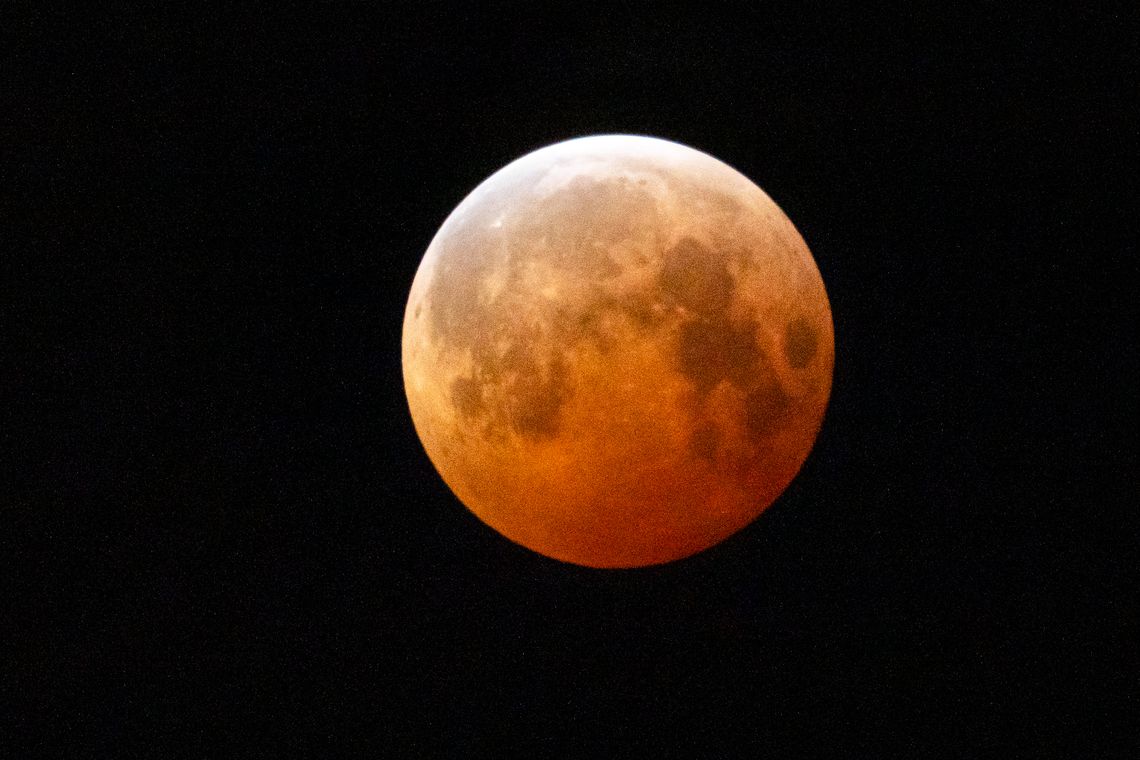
{"points": [[617, 351]]}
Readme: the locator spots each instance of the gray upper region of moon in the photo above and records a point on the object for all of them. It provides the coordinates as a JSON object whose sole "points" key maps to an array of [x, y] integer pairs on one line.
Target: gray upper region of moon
{"points": [[617, 351]]}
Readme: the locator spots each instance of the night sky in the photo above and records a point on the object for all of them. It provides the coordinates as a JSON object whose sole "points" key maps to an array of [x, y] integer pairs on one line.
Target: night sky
{"points": [[222, 527]]}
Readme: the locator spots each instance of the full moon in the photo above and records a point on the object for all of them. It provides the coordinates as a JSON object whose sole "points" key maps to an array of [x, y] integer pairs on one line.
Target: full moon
{"points": [[617, 351]]}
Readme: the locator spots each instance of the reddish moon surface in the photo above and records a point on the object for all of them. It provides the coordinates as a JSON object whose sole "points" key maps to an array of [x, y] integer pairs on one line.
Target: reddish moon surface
{"points": [[617, 351]]}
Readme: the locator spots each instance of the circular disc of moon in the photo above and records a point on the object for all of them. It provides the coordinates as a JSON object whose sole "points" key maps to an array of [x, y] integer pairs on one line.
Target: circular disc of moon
{"points": [[617, 351]]}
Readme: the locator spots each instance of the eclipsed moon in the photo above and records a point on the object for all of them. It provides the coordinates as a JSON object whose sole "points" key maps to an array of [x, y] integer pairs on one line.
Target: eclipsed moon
{"points": [[617, 351]]}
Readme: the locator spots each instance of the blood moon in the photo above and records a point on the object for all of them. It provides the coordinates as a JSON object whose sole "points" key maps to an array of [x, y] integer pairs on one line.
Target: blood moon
{"points": [[617, 351]]}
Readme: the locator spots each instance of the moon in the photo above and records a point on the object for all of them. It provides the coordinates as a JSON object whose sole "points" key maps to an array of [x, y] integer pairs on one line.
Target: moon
{"points": [[617, 351]]}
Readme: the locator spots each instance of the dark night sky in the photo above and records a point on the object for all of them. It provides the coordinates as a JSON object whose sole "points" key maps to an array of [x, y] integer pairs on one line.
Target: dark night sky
{"points": [[222, 527]]}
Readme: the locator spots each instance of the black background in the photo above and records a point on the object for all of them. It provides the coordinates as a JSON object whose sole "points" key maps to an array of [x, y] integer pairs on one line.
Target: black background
{"points": [[222, 526]]}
